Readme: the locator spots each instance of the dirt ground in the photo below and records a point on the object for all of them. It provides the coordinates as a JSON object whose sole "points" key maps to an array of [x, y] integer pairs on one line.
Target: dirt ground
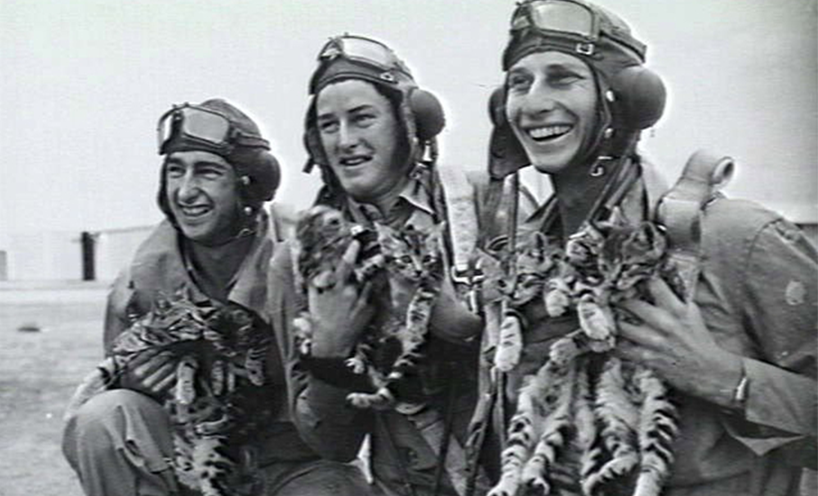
{"points": [[38, 373]]}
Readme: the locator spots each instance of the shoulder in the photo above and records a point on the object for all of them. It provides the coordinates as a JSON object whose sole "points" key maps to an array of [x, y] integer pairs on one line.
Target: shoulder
{"points": [[738, 231], [729, 221], [160, 245], [281, 263]]}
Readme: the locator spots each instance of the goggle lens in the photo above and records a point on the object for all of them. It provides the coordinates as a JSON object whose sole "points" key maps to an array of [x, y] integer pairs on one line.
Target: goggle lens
{"points": [[362, 50], [195, 124], [560, 16], [205, 126]]}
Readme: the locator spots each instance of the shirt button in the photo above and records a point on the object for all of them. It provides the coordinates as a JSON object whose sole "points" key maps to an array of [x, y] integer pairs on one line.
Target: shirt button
{"points": [[411, 457]]}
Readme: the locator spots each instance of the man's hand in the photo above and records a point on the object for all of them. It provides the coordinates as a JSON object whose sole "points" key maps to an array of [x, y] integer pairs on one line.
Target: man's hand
{"points": [[151, 373], [451, 318], [671, 338], [339, 313]]}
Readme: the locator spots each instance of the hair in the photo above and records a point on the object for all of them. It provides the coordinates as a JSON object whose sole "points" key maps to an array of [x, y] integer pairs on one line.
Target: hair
{"points": [[333, 193]]}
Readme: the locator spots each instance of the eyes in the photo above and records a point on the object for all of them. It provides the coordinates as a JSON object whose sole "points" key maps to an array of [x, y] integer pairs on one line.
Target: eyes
{"points": [[520, 81], [363, 118], [204, 170]]}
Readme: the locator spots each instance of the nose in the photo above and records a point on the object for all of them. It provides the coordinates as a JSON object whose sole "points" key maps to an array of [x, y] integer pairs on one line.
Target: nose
{"points": [[539, 99], [187, 187], [347, 136]]}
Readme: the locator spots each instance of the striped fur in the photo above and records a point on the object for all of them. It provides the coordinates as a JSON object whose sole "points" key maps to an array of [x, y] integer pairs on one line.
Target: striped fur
{"points": [[520, 278], [411, 258], [322, 236], [217, 403], [613, 432]]}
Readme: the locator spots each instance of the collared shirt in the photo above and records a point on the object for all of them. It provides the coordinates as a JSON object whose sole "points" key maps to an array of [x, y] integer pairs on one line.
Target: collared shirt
{"points": [[400, 453], [758, 293], [414, 206], [158, 266]]}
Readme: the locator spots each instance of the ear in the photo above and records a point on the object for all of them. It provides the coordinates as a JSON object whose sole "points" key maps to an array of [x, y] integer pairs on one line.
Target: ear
{"points": [[506, 154], [428, 113], [386, 236], [617, 218], [438, 233], [441, 229], [641, 96], [312, 141], [540, 241]]}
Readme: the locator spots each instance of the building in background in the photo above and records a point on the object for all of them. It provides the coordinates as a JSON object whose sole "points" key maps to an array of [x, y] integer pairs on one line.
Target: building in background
{"points": [[92, 256]]}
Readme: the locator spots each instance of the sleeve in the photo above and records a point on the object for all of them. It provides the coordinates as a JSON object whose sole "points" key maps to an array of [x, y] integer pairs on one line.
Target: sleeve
{"points": [[116, 310], [779, 300], [319, 410]]}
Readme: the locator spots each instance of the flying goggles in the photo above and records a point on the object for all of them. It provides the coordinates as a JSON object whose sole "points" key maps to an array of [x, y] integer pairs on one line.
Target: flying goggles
{"points": [[579, 26], [371, 54], [203, 128]]}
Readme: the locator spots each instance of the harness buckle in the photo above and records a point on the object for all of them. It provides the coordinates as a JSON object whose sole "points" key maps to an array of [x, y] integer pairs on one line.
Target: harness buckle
{"points": [[585, 48], [472, 278]]}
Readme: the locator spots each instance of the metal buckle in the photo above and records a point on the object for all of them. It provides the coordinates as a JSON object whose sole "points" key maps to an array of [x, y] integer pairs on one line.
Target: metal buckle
{"points": [[471, 278], [467, 276], [585, 48]]}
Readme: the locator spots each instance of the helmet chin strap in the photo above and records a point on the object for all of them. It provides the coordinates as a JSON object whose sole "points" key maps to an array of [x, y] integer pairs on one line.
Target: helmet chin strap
{"points": [[622, 169]]}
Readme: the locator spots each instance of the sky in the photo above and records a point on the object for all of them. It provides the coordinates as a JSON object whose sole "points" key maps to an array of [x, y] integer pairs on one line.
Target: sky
{"points": [[82, 83]]}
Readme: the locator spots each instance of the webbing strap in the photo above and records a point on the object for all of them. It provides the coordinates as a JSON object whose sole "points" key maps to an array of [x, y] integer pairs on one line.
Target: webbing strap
{"points": [[433, 429], [680, 210], [463, 227]]}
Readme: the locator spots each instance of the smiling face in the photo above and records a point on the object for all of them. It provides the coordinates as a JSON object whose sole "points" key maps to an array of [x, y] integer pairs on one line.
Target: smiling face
{"points": [[551, 106], [202, 194], [361, 136]]}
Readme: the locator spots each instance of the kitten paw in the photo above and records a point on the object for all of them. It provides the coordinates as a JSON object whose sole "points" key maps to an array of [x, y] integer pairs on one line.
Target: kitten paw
{"points": [[649, 482], [614, 469], [510, 346], [381, 400], [563, 351], [533, 476], [356, 365], [556, 302], [504, 488], [595, 320]]}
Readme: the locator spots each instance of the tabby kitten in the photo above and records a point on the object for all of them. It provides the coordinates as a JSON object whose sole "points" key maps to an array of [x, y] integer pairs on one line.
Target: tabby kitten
{"points": [[592, 423], [519, 278], [322, 236], [389, 349], [413, 259], [218, 402]]}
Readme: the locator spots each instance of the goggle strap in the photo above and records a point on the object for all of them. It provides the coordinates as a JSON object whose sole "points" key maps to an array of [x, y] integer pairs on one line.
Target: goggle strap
{"points": [[231, 139]]}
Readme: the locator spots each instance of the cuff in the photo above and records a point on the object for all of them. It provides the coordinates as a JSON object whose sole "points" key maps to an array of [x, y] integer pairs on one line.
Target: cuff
{"points": [[334, 371], [328, 401]]}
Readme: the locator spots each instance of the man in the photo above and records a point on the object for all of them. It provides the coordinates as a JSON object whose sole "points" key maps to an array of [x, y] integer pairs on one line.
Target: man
{"points": [[216, 175], [371, 131], [739, 354]]}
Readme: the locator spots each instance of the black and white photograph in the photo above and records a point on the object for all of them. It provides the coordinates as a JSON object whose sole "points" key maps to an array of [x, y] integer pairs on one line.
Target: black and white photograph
{"points": [[409, 248]]}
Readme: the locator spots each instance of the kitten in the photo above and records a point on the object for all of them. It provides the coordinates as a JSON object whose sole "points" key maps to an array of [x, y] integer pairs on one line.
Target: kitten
{"points": [[519, 278], [610, 424], [413, 259], [322, 237], [218, 402]]}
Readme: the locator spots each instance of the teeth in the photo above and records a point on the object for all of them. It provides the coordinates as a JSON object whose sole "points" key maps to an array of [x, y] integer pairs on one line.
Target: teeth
{"points": [[194, 211], [354, 160], [548, 131]]}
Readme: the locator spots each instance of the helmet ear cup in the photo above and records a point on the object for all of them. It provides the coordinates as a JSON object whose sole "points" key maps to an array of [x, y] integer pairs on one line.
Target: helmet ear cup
{"points": [[497, 106], [506, 154], [640, 96], [428, 113], [312, 141]]}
